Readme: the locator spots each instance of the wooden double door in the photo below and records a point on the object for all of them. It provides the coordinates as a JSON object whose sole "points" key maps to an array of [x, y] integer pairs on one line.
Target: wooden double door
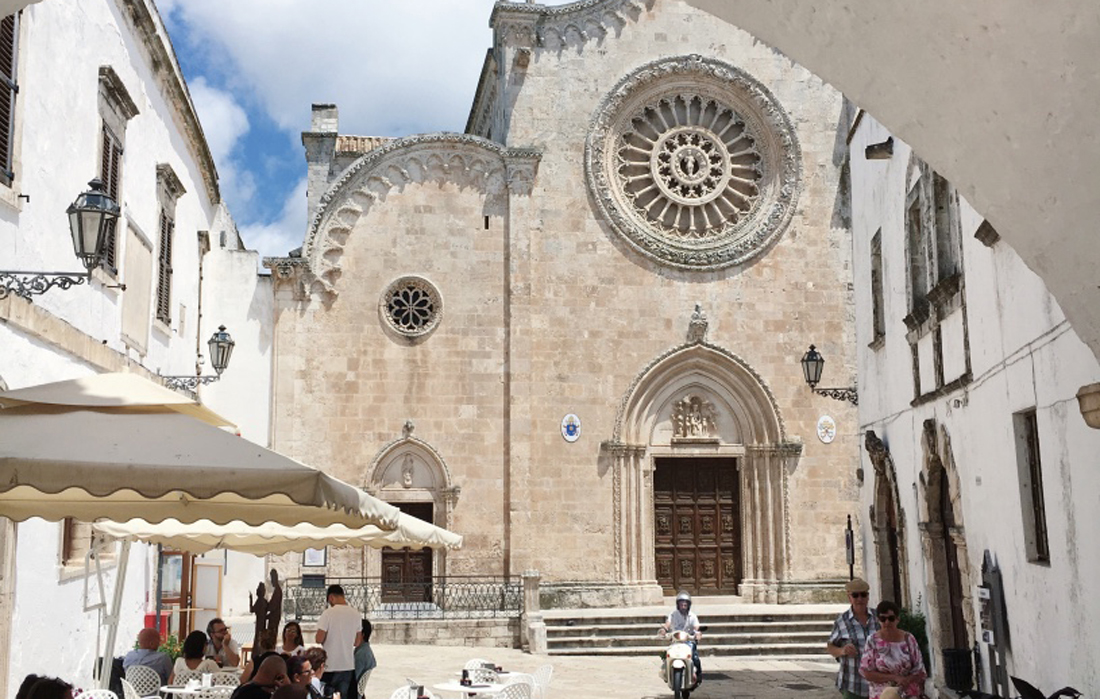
{"points": [[697, 525], [407, 574]]}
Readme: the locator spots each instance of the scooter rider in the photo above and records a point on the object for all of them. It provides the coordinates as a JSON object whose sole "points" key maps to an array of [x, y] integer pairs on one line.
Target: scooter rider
{"points": [[683, 619]]}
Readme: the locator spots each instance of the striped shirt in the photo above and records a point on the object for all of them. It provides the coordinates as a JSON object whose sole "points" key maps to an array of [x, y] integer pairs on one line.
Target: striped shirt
{"points": [[847, 629]]}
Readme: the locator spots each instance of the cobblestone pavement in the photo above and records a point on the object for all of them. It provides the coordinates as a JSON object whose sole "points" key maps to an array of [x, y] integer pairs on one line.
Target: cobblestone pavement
{"points": [[605, 678]]}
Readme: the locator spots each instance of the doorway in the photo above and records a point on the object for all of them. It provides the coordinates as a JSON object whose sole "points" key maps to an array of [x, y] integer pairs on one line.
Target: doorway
{"points": [[697, 525], [407, 574]]}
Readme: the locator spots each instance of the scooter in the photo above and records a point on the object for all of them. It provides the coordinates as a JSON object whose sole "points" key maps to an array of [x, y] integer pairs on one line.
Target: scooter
{"points": [[678, 669]]}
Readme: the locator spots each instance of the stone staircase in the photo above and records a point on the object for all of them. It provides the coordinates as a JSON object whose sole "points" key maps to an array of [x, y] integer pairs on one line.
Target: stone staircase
{"points": [[758, 631]]}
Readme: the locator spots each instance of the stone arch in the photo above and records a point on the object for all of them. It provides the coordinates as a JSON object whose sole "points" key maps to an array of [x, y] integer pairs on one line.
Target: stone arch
{"points": [[888, 524], [409, 470], [943, 542], [754, 413], [458, 159], [743, 425]]}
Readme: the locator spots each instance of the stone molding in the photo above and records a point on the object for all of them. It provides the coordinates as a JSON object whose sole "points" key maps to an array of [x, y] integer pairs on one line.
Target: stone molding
{"points": [[444, 157], [686, 351], [560, 26], [374, 473], [773, 137]]}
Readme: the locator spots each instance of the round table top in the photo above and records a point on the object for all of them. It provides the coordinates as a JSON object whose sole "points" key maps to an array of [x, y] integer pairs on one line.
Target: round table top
{"points": [[476, 688]]}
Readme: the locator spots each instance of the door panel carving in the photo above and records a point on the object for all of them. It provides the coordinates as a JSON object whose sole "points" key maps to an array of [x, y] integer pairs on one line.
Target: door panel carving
{"points": [[697, 525]]}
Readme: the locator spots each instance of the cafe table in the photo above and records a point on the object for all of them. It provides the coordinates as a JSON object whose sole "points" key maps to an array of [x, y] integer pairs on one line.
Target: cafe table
{"points": [[475, 689]]}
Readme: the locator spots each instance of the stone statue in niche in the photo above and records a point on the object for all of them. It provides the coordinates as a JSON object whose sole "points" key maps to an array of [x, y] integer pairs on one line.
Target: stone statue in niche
{"points": [[697, 326], [694, 419], [407, 470]]}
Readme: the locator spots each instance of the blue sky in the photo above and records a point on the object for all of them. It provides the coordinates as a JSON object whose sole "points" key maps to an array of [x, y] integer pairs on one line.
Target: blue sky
{"points": [[254, 67]]}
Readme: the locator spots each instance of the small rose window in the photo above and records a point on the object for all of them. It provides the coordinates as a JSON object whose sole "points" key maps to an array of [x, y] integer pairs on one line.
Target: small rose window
{"points": [[411, 306]]}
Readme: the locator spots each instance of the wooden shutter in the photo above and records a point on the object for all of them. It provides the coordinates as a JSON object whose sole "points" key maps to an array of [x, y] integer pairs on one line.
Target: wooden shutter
{"points": [[164, 268], [9, 30], [110, 173]]}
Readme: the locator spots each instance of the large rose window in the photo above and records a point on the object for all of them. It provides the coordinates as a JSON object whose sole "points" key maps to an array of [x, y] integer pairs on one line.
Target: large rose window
{"points": [[694, 163]]}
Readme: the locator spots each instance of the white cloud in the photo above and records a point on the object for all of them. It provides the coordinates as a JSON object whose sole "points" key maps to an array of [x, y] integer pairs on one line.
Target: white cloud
{"points": [[391, 67], [285, 233], [223, 119]]}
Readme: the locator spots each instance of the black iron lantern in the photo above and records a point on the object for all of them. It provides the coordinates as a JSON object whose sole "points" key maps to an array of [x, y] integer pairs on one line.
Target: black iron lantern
{"points": [[221, 349], [91, 218], [812, 364]]}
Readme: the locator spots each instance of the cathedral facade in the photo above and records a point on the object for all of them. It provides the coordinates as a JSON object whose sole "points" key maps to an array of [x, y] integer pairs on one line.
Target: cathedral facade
{"points": [[572, 333]]}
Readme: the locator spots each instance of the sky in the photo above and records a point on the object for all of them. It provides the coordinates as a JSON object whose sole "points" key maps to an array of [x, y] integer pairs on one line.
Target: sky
{"points": [[254, 67]]}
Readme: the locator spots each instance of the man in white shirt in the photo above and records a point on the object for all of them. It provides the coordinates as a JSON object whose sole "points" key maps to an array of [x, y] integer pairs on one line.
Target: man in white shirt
{"points": [[339, 630], [221, 646]]}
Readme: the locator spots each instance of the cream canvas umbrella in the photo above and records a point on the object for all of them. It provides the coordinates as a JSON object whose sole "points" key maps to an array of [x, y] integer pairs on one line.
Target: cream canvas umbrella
{"points": [[155, 464], [115, 390], [203, 536], [121, 447]]}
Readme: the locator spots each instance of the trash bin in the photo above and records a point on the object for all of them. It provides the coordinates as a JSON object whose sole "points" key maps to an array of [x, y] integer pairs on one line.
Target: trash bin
{"points": [[958, 669]]}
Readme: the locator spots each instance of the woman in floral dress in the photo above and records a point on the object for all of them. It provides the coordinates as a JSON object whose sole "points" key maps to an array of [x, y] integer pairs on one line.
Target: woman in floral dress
{"points": [[892, 657]]}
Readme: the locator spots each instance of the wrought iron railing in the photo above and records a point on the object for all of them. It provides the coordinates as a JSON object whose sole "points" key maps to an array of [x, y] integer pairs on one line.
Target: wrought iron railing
{"points": [[451, 597]]}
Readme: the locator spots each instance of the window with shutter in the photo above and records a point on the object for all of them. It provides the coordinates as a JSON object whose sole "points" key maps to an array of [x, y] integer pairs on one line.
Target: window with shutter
{"points": [[1032, 498], [9, 32], [110, 173], [164, 268]]}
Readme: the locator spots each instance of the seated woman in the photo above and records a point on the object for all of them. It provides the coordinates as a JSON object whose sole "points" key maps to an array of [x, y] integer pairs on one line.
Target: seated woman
{"points": [[191, 659], [891, 659], [293, 643], [265, 646]]}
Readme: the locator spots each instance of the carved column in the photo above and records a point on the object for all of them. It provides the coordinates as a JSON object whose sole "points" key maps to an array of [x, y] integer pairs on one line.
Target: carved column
{"points": [[765, 520]]}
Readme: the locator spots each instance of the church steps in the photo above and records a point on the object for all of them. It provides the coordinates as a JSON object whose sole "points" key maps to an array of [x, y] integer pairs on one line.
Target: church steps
{"points": [[788, 634]]}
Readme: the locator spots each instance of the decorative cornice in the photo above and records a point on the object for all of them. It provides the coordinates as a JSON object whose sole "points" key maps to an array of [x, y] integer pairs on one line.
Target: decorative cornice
{"points": [[150, 30], [554, 26], [624, 402], [784, 449], [764, 118], [447, 157]]}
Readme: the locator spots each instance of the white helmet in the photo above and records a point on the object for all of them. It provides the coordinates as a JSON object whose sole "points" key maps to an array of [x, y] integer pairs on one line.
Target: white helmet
{"points": [[683, 597]]}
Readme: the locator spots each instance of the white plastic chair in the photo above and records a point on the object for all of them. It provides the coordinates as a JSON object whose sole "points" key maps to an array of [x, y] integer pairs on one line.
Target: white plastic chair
{"points": [[145, 680], [478, 672], [516, 690], [128, 691], [225, 679], [408, 691], [542, 680], [98, 694], [514, 677], [362, 686], [216, 692], [185, 676]]}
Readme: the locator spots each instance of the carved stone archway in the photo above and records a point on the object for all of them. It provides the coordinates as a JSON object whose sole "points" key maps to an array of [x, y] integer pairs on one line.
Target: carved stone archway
{"points": [[409, 470], [888, 524], [943, 543], [699, 400]]}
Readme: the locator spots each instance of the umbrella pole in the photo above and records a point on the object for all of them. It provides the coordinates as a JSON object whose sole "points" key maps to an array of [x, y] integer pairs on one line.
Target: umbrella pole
{"points": [[111, 619]]}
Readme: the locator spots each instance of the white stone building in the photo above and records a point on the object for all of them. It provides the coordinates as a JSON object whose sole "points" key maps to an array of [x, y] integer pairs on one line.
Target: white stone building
{"points": [[100, 94], [976, 454]]}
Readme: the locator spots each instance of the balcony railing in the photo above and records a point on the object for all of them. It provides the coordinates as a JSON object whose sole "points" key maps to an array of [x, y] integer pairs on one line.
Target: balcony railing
{"points": [[451, 597]]}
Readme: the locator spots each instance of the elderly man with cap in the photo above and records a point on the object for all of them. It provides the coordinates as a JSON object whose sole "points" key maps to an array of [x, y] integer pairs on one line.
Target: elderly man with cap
{"points": [[850, 632]]}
